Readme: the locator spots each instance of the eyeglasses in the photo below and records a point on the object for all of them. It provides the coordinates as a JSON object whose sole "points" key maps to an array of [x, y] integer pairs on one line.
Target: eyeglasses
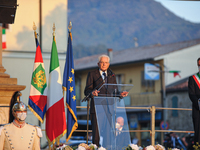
{"points": [[104, 62]]}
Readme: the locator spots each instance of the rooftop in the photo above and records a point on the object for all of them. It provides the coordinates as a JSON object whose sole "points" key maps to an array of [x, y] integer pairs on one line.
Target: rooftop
{"points": [[134, 55], [179, 86]]}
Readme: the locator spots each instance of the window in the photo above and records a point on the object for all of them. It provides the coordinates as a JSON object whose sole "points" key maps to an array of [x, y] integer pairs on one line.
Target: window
{"points": [[120, 79], [175, 105], [147, 85]]}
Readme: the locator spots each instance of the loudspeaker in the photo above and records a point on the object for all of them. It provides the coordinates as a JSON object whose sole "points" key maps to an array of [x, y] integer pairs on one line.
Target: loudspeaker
{"points": [[7, 11]]}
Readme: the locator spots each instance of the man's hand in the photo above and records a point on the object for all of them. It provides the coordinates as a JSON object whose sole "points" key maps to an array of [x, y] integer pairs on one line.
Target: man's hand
{"points": [[124, 94], [95, 93]]}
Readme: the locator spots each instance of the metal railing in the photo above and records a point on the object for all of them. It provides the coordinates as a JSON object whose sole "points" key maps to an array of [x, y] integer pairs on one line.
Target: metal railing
{"points": [[152, 131]]}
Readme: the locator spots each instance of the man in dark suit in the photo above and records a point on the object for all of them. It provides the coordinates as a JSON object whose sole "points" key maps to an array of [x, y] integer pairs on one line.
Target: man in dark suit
{"points": [[194, 94], [95, 80]]}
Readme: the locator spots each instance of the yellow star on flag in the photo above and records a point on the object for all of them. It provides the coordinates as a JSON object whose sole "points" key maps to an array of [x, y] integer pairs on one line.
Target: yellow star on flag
{"points": [[74, 97], [71, 89], [70, 79], [72, 71]]}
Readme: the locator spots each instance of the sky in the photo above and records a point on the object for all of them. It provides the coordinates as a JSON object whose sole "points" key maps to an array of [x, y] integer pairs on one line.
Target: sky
{"points": [[188, 10]]}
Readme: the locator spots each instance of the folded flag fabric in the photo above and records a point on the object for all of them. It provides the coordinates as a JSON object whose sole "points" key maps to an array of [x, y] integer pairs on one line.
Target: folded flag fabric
{"points": [[176, 73]]}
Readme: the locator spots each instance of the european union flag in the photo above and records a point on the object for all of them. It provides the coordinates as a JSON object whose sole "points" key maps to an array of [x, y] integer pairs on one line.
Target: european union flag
{"points": [[69, 87]]}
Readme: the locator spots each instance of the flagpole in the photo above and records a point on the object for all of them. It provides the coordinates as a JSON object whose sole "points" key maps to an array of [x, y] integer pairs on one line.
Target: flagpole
{"points": [[70, 26], [34, 28], [163, 91], [88, 101]]}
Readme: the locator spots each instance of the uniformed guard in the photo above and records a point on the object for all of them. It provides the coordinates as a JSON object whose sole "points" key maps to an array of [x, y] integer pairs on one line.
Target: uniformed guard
{"points": [[19, 135]]}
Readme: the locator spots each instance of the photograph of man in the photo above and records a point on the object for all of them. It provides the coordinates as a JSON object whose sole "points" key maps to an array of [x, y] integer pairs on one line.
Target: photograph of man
{"points": [[122, 140]]}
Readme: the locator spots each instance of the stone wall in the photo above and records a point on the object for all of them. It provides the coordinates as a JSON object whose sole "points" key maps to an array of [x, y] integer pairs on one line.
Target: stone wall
{"points": [[183, 121]]}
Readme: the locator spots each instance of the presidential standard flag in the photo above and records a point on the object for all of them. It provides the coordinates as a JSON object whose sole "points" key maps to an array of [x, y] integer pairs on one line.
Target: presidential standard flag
{"points": [[38, 92], [69, 87], [55, 115]]}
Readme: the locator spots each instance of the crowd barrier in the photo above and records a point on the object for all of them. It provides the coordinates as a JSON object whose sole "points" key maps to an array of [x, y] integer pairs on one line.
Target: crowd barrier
{"points": [[152, 131]]}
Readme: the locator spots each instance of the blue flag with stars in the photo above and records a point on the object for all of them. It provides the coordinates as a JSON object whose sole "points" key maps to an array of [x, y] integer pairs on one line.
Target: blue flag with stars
{"points": [[69, 87]]}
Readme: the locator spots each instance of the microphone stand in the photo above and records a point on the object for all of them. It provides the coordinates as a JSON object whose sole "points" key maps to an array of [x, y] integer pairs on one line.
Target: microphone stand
{"points": [[87, 97], [87, 118], [110, 73]]}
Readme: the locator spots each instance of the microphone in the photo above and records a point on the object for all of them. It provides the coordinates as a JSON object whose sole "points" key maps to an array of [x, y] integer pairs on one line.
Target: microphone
{"points": [[86, 98], [89, 94], [110, 72]]}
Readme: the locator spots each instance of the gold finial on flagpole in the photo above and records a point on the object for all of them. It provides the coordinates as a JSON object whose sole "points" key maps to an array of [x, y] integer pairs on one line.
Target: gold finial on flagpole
{"points": [[34, 28], [54, 28], [70, 26]]}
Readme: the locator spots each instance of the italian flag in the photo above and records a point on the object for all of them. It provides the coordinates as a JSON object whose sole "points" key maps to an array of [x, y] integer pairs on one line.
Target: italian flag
{"points": [[3, 38], [176, 73], [55, 115]]}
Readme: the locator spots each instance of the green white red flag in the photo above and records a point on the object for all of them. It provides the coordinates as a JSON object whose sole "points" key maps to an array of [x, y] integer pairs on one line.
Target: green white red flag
{"points": [[55, 115], [176, 73], [3, 38]]}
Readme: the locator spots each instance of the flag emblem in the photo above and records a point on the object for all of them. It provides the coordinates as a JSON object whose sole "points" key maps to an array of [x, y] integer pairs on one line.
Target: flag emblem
{"points": [[39, 79]]}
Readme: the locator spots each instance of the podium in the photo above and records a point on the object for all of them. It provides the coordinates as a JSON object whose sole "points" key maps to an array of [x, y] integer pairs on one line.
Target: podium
{"points": [[109, 107]]}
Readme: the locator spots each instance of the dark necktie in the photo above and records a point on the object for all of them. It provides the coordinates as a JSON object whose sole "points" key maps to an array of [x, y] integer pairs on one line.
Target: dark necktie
{"points": [[105, 79]]}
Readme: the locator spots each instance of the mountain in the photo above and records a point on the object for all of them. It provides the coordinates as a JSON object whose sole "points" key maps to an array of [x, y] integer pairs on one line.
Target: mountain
{"points": [[101, 24]]}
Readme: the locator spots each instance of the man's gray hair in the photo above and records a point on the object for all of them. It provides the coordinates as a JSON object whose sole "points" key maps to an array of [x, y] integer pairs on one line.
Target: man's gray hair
{"points": [[104, 56]]}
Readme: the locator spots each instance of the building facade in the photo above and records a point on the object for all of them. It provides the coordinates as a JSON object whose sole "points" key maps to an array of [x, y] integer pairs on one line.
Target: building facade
{"points": [[18, 57], [128, 66]]}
